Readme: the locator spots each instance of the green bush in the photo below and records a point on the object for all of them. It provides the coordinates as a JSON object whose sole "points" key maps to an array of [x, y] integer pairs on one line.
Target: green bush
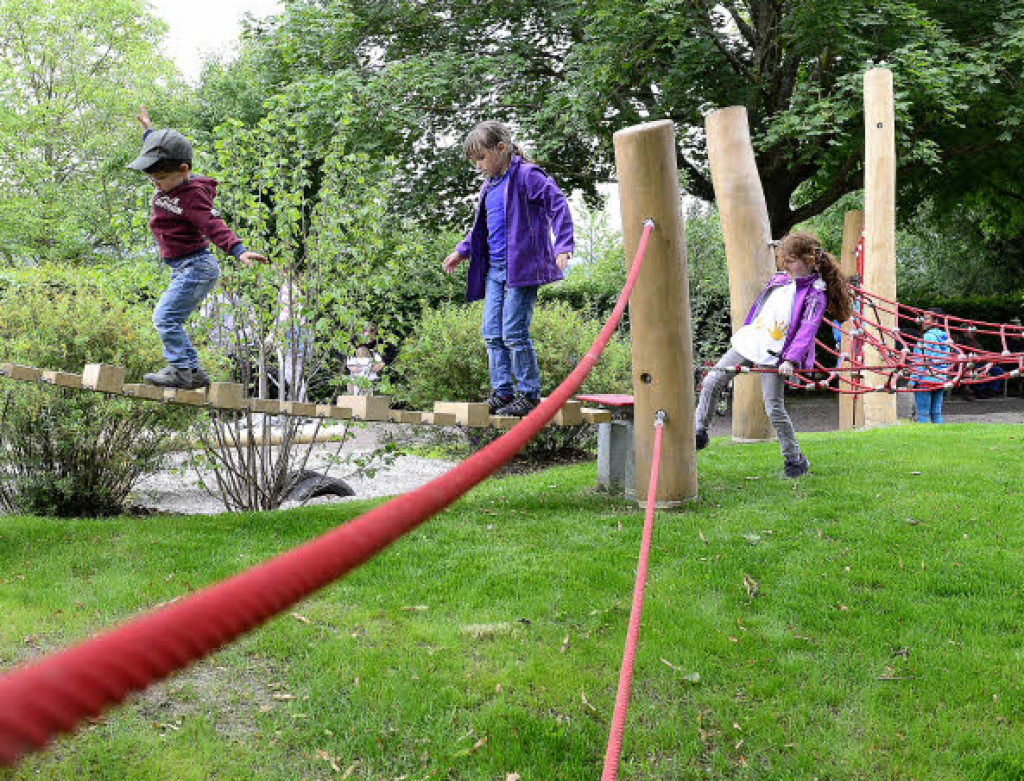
{"points": [[69, 453], [445, 358]]}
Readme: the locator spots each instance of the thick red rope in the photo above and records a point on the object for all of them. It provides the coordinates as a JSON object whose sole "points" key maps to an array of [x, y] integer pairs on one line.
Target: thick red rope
{"points": [[614, 750], [51, 695]]}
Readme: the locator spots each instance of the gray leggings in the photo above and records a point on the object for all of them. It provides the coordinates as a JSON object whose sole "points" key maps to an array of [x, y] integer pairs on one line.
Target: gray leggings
{"points": [[772, 389]]}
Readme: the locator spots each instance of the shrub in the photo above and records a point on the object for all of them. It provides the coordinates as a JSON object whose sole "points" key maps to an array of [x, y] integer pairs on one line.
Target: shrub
{"points": [[69, 453]]}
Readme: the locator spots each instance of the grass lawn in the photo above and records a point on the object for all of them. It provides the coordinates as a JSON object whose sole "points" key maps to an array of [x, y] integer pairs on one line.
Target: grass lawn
{"points": [[883, 640]]}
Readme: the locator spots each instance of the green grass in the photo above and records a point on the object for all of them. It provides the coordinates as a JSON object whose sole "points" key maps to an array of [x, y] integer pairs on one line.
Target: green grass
{"points": [[884, 641]]}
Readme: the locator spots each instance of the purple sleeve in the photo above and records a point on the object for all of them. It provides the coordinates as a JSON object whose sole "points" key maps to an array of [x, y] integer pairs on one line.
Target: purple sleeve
{"points": [[463, 246], [810, 320], [541, 187]]}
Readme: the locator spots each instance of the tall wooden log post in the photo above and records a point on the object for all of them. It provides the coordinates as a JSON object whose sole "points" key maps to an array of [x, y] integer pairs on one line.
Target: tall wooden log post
{"points": [[879, 227], [751, 261], [851, 408], [659, 309]]}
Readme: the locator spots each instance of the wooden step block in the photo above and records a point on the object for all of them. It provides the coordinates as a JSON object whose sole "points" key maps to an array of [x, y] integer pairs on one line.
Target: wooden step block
{"points": [[569, 415], [503, 421], [366, 407], [194, 398], [437, 418], [62, 379], [472, 414], [333, 412], [267, 406], [300, 409], [595, 415], [143, 390], [226, 395], [103, 377], [405, 416], [23, 373]]}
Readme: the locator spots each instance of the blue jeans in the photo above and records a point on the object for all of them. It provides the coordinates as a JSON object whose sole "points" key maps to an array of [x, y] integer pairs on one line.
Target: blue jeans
{"points": [[191, 280], [929, 405], [506, 331]]}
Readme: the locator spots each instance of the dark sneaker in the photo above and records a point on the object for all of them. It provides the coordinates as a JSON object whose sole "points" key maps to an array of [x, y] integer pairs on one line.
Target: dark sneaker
{"points": [[797, 467], [177, 377], [496, 402], [702, 438], [520, 405]]}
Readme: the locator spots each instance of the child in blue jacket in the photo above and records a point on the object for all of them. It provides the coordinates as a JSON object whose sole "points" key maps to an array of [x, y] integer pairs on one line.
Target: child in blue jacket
{"points": [[511, 255], [931, 372]]}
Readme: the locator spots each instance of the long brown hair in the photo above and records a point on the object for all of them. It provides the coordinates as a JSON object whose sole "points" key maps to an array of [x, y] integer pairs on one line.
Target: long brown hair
{"points": [[806, 247]]}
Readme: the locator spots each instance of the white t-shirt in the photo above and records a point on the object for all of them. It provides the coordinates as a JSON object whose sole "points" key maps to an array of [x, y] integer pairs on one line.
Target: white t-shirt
{"points": [[768, 330]]}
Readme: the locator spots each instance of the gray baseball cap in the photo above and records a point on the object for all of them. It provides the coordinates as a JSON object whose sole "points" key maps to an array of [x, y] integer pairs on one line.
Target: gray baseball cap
{"points": [[163, 144]]}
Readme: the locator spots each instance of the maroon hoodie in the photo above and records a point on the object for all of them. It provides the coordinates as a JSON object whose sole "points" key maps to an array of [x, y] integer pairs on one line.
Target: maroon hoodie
{"points": [[184, 218]]}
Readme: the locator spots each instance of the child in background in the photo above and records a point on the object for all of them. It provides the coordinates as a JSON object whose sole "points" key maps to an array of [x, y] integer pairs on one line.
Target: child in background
{"points": [[779, 331], [510, 256], [930, 373], [182, 220]]}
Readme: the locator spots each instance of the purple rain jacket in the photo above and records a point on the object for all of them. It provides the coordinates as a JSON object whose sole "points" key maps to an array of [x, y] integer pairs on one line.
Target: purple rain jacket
{"points": [[808, 309], [534, 207]]}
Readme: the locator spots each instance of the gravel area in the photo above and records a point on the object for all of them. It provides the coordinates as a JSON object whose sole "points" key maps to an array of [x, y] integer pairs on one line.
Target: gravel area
{"points": [[177, 491]]}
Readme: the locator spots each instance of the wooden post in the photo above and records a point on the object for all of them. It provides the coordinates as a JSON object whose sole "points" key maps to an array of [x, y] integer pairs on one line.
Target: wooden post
{"points": [[851, 408], [659, 309], [751, 262], [879, 226]]}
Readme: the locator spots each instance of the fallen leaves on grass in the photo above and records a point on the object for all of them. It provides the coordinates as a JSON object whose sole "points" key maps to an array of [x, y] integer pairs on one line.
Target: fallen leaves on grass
{"points": [[583, 697], [751, 585]]}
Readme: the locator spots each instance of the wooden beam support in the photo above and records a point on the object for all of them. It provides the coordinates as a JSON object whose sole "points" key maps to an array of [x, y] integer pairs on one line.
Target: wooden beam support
{"points": [[103, 377], [366, 407], [472, 414]]}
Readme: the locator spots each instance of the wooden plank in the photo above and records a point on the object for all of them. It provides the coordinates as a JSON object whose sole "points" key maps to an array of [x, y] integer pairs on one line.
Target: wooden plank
{"points": [[569, 415], [21, 373], [265, 406], [404, 416], [226, 395], [333, 412], [366, 407], [594, 415], [503, 421], [103, 377], [193, 398], [62, 379], [143, 390], [438, 418], [472, 414], [301, 409]]}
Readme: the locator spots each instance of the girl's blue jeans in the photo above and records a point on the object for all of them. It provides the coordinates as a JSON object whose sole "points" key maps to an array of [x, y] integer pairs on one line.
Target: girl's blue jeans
{"points": [[506, 331], [929, 405], [191, 280]]}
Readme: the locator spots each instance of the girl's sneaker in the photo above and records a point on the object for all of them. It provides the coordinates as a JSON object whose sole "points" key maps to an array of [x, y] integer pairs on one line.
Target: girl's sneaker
{"points": [[496, 402], [796, 467], [520, 405]]}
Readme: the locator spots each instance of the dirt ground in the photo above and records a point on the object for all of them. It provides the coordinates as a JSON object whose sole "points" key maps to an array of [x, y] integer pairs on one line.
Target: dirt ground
{"points": [[819, 411]]}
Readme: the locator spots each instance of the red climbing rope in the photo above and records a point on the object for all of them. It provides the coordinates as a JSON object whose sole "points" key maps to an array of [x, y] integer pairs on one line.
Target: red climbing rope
{"points": [[614, 750], [51, 695]]}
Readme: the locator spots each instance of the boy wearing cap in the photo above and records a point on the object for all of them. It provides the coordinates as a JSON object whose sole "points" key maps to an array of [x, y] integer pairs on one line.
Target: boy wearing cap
{"points": [[182, 222]]}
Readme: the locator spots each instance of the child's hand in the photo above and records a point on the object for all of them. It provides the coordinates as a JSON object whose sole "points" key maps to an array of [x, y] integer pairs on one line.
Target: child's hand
{"points": [[562, 261], [786, 368], [247, 258], [143, 117], [451, 262]]}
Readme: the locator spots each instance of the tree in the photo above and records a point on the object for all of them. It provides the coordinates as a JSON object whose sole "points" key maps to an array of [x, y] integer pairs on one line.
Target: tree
{"points": [[72, 73]]}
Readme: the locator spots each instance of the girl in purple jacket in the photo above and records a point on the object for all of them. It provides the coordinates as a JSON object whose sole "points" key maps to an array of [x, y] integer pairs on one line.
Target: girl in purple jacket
{"points": [[779, 332], [511, 255]]}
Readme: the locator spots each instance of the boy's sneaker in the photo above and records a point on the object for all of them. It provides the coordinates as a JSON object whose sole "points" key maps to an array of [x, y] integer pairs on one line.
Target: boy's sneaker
{"points": [[177, 377], [520, 405], [796, 467], [495, 402], [702, 438]]}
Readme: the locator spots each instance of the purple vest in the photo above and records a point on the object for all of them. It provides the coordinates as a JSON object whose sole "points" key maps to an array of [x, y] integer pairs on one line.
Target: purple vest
{"points": [[808, 310]]}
